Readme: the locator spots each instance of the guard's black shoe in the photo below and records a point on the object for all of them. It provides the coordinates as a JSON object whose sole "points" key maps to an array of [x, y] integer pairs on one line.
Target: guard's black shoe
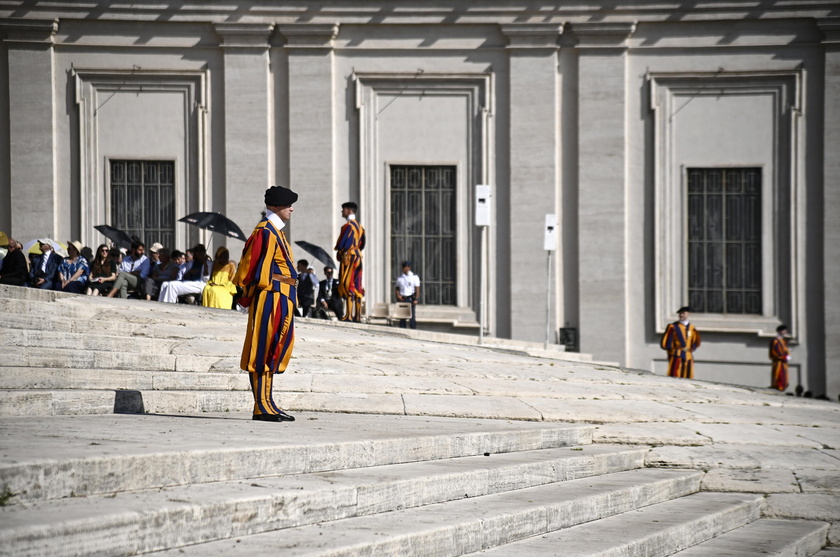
{"points": [[285, 417], [266, 417], [281, 417]]}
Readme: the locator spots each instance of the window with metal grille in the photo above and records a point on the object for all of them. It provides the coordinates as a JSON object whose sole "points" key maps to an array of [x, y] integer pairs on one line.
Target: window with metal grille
{"points": [[423, 228], [724, 240], [143, 200]]}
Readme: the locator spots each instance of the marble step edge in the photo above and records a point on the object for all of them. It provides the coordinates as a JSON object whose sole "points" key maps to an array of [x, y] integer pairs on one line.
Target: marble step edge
{"points": [[465, 525], [242, 507], [776, 537], [702, 524], [136, 361], [42, 479], [175, 401], [109, 325], [62, 379]]}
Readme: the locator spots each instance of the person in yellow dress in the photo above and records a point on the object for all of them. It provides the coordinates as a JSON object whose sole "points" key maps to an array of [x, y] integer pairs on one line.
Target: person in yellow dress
{"points": [[219, 291]]}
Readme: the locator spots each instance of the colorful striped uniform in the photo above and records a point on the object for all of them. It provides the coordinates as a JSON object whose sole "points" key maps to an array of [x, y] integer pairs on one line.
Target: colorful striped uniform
{"points": [[680, 341], [779, 355], [351, 242], [271, 309]]}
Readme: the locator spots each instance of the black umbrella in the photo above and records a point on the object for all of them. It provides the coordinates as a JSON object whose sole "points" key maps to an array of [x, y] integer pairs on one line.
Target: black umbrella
{"points": [[216, 222], [318, 253], [119, 237]]}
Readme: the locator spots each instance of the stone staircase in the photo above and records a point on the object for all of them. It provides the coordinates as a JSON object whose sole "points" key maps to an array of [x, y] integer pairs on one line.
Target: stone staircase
{"points": [[124, 430], [436, 487]]}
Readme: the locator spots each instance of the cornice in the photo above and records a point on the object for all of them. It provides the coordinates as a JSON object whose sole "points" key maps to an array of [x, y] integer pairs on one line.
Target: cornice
{"points": [[244, 35], [830, 28], [603, 34], [308, 35], [38, 31], [532, 35]]}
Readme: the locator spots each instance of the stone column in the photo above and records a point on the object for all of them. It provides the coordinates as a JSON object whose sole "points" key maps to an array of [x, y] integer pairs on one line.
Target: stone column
{"points": [[534, 172], [831, 207], [602, 183], [31, 111], [248, 121], [311, 152]]}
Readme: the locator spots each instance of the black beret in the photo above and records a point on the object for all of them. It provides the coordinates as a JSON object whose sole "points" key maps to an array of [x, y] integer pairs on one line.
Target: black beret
{"points": [[684, 308], [279, 196], [781, 328]]}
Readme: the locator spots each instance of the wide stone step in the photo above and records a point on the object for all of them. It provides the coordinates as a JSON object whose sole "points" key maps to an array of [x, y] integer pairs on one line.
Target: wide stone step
{"points": [[777, 538], [232, 447], [68, 402], [56, 379], [40, 340], [668, 529], [304, 392], [152, 520], [466, 525], [84, 308], [139, 361]]}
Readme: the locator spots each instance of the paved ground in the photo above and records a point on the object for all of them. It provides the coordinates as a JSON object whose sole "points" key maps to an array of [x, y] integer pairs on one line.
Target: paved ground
{"points": [[745, 440]]}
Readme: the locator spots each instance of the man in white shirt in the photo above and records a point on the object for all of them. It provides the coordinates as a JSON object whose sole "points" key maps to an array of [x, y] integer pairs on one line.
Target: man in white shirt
{"points": [[191, 279], [133, 271], [408, 290]]}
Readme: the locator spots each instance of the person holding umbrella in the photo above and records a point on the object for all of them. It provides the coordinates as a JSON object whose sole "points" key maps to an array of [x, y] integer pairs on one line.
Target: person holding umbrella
{"points": [[268, 278]]}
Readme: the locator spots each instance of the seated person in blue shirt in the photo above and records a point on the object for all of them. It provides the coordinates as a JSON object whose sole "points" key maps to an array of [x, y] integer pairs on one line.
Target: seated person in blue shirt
{"points": [[133, 271], [73, 271]]}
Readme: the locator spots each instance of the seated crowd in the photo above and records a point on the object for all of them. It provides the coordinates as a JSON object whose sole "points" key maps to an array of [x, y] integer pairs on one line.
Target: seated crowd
{"points": [[163, 275]]}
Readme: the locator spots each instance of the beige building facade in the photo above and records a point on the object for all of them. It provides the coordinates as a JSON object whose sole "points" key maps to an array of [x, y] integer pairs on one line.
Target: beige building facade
{"points": [[690, 155]]}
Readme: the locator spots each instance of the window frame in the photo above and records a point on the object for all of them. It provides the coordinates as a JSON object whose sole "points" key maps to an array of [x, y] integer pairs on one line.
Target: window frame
{"points": [[780, 297]]}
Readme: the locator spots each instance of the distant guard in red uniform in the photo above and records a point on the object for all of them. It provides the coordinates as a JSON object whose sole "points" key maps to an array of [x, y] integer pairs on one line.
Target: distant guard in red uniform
{"points": [[268, 278], [351, 242], [680, 340], [780, 356]]}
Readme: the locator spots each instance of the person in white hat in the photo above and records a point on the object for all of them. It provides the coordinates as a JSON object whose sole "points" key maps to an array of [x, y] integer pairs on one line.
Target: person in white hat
{"points": [[154, 255], [44, 271]]}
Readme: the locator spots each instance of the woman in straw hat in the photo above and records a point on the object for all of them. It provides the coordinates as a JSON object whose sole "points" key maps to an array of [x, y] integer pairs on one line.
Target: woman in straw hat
{"points": [[73, 271]]}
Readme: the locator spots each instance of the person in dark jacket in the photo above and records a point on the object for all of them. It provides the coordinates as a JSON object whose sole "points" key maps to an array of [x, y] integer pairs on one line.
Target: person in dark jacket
{"points": [[44, 271], [307, 285], [14, 269]]}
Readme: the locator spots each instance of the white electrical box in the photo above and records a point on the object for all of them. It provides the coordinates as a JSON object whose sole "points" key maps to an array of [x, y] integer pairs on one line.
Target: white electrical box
{"points": [[482, 205], [550, 232]]}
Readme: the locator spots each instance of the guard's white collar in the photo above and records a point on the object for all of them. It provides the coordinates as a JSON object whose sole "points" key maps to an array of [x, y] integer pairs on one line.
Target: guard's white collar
{"points": [[274, 219], [351, 216]]}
